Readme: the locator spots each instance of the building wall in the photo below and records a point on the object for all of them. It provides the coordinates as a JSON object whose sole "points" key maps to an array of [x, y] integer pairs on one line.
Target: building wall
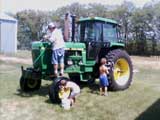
{"points": [[0, 36], [8, 36]]}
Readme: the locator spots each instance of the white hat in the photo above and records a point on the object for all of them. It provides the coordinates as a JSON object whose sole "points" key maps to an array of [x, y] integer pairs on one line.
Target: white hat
{"points": [[51, 25]]}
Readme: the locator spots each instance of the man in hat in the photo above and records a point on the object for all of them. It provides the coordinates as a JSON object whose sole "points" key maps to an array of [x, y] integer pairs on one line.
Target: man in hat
{"points": [[55, 36]]}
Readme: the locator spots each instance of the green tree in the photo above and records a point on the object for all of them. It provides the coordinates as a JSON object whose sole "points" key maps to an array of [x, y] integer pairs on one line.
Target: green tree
{"points": [[30, 26]]}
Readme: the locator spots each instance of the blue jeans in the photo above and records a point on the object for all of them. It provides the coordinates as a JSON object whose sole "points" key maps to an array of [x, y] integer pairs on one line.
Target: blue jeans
{"points": [[58, 56]]}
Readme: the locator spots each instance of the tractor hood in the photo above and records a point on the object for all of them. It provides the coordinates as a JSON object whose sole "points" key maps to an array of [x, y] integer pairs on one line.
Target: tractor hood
{"points": [[74, 46]]}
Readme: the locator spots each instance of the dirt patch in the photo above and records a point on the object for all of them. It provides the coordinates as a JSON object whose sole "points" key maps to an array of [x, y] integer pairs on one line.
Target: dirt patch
{"points": [[152, 62], [149, 62], [5, 67], [15, 59]]}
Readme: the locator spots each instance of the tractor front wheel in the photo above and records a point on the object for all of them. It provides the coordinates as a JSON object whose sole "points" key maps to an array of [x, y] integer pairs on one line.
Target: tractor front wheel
{"points": [[120, 70], [29, 84]]}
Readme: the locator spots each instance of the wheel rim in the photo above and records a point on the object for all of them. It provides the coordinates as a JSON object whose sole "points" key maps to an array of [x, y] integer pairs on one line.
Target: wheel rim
{"points": [[121, 71], [32, 83]]}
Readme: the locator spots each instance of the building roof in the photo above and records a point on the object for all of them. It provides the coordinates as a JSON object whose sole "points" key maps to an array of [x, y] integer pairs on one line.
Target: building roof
{"points": [[4, 17], [98, 19]]}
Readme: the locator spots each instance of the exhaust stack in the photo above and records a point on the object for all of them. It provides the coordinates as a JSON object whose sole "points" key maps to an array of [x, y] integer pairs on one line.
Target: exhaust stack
{"points": [[69, 27], [73, 27]]}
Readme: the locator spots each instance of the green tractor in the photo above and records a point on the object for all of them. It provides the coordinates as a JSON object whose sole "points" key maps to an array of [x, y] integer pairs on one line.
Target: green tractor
{"points": [[95, 38]]}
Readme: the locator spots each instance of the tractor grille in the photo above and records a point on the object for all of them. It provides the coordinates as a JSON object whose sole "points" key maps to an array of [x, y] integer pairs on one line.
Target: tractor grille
{"points": [[72, 56]]}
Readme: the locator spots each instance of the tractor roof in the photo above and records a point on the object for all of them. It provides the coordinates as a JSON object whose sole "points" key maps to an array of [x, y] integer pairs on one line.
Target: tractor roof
{"points": [[98, 19]]}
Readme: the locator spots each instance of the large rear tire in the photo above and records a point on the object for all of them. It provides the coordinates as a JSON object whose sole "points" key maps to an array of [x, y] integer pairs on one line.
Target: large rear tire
{"points": [[120, 69], [54, 90]]}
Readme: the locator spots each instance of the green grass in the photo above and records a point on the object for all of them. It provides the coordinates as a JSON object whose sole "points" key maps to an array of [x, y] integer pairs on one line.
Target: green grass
{"points": [[140, 102]]}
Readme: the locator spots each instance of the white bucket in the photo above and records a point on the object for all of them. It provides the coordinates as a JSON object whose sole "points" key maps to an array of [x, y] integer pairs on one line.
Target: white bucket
{"points": [[66, 103]]}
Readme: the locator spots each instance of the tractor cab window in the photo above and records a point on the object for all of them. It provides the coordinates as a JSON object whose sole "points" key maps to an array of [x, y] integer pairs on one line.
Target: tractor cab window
{"points": [[109, 32], [119, 34], [91, 31]]}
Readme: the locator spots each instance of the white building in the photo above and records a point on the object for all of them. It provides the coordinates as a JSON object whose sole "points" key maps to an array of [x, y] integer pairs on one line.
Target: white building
{"points": [[8, 34]]}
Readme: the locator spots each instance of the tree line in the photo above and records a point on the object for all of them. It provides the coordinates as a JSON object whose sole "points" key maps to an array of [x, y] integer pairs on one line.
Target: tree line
{"points": [[140, 27]]}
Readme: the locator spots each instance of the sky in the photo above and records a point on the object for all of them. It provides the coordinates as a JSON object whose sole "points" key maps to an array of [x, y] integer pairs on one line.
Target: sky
{"points": [[14, 6]]}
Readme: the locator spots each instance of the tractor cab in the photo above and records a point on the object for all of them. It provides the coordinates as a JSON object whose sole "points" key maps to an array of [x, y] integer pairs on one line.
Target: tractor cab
{"points": [[95, 38], [98, 33]]}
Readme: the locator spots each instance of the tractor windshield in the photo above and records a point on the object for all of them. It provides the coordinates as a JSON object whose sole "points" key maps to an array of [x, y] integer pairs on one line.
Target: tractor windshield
{"points": [[90, 31], [97, 31]]}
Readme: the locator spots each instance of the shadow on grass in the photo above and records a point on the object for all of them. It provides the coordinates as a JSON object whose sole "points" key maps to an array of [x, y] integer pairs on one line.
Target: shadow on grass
{"points": [[49, 102], [152, 113], [43, 91], [94, 87]]}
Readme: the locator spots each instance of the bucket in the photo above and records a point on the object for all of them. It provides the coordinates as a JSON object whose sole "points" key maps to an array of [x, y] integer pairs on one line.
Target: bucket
{"points": [[66, 103]]}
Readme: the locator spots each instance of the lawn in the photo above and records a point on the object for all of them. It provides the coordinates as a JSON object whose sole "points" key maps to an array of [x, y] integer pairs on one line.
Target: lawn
{"points": [[140, 102]]}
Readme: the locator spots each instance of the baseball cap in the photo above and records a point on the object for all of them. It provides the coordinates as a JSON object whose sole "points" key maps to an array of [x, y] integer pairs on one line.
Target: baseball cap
{"points": [[51, 25]]}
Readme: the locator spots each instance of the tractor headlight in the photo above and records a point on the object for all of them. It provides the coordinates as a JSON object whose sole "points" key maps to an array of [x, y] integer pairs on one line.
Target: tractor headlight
{"points": [[70, 62]]}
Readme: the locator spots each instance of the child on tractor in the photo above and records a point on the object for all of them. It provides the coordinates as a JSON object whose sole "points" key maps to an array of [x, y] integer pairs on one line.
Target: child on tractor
{"points": [[103, 77]]}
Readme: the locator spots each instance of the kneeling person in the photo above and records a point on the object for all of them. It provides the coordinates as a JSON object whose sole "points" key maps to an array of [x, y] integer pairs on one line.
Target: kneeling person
{"points": [[75, 89]]}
